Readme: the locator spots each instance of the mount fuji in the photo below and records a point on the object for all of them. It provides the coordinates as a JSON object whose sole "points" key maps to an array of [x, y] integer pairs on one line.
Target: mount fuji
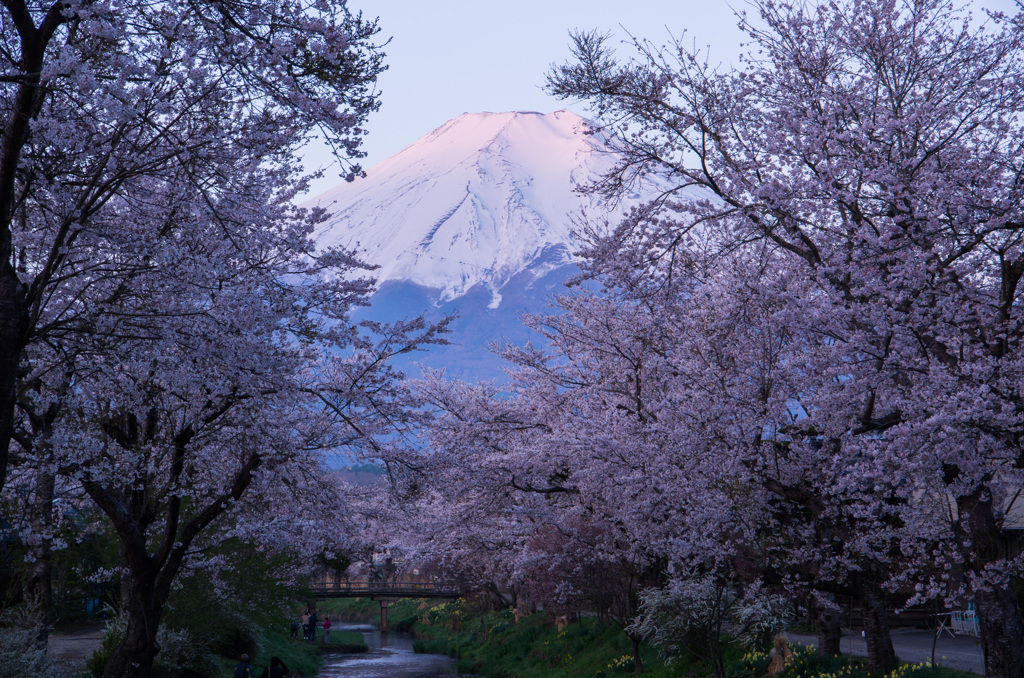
{"points": [[476, 218]]}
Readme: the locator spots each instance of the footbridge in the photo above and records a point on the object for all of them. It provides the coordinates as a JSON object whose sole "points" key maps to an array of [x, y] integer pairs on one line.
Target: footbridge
{"points": [[383, 591], [390, 589]]}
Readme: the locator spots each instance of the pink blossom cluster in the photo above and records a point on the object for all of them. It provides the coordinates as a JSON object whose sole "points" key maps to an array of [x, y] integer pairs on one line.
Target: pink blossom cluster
{"points": [[812, 376]]}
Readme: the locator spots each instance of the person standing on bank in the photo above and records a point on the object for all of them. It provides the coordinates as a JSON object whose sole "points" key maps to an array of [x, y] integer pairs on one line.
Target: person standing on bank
{"points": [[312, 625], [327, 629]]}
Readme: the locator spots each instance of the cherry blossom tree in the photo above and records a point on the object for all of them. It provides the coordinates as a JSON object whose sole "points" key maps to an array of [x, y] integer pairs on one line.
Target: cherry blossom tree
{"points": [[579, 488], [99, 101], [173, 342], [666, 420], [720, 470], [243, 377], [875, 145]]}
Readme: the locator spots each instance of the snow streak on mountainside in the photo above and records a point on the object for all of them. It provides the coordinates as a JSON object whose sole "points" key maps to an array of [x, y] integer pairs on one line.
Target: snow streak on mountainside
{"points": [[477, 201]]}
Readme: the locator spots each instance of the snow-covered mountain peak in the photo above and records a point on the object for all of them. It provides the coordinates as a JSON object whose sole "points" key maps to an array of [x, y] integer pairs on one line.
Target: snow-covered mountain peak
{"points": [[472, 133], [479, 200]]}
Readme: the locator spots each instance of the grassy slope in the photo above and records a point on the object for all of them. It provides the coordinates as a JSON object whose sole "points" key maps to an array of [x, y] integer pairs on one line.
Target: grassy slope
{"points": [[493, 644], [344, 641], [301, 657], [302, 660]]}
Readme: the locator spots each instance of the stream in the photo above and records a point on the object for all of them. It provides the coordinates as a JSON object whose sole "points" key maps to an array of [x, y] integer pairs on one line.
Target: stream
{"points": [[390, 656]]}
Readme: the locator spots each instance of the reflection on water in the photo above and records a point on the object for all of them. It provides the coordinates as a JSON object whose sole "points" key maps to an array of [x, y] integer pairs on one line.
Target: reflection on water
{"points": [[390, 656]]}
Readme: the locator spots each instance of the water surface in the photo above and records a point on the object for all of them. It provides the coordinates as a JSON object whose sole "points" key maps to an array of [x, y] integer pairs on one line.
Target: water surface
{"points": [[390, 656]]}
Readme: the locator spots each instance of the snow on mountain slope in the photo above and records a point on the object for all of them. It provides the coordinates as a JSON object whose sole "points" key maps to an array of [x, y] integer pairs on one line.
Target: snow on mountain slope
{"points": [[477, 201]]}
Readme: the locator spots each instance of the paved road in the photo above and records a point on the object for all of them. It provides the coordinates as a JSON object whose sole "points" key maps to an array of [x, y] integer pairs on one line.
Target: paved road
{"points": [[914, 645]]}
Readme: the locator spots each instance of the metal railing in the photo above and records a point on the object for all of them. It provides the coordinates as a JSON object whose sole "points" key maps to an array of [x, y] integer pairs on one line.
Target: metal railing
{"points": [[398, 589]]}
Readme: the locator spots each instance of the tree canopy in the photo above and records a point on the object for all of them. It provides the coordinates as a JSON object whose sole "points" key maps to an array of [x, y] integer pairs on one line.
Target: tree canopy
{"points": [[806, 364]]}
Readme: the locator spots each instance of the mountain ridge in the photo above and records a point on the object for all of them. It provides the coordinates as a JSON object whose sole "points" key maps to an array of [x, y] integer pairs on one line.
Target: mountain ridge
{"points": [[478, 200], [475, 219]]}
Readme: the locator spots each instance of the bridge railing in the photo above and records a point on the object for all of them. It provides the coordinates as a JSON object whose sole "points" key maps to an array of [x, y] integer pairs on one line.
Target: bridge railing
{"points": [[411, 589]]}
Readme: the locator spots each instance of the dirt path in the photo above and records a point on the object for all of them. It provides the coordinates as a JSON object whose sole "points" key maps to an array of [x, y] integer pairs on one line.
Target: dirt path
{"points": [[76, 646]]}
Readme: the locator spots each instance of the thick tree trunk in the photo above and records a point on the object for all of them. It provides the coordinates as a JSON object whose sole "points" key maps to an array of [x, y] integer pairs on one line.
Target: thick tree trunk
{"points": [[1002, 634], [133, 657], [999, 613], [39, 571], [881, 655], [146, 579], [829, 632], [14, 304], [13, 330]]}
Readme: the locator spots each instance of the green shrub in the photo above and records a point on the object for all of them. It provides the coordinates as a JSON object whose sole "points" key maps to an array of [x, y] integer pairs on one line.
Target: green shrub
{"points": [[20, 656], [180, 656]]}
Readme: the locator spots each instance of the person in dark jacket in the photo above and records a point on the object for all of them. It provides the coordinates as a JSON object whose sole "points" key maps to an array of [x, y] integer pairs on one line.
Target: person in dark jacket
{"points": [[312, 625], [243, 669], [277, 669]]}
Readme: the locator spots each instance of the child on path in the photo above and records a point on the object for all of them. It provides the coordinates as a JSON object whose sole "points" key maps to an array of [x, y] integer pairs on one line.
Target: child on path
{"points": [[327, 629]]}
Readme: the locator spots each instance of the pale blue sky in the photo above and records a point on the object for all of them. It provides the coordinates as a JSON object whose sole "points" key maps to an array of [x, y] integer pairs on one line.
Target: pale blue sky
{"points": [[449, 57]]}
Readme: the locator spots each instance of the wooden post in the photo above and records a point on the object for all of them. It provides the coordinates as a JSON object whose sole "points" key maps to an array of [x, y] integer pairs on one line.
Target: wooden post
{"points": [[383, 616]]}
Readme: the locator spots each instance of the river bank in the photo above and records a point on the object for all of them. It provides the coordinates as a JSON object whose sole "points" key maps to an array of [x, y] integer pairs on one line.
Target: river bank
{"points": [[494, 645], [491, 643], [389, 656]]}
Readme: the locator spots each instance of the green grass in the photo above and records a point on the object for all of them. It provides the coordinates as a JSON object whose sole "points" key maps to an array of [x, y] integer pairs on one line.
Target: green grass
{"points": [[302, 659], [492, 644], [342, 641]]}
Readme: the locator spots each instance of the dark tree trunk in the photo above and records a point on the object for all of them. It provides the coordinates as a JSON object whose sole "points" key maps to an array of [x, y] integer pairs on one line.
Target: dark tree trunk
{"points": [[13, 330], [146, 579], [716, 656], [638, 662], [829, 632], [14, 302], [133, 656], [1002, 634], [881, 655], [999, 613], [39, 571]]}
